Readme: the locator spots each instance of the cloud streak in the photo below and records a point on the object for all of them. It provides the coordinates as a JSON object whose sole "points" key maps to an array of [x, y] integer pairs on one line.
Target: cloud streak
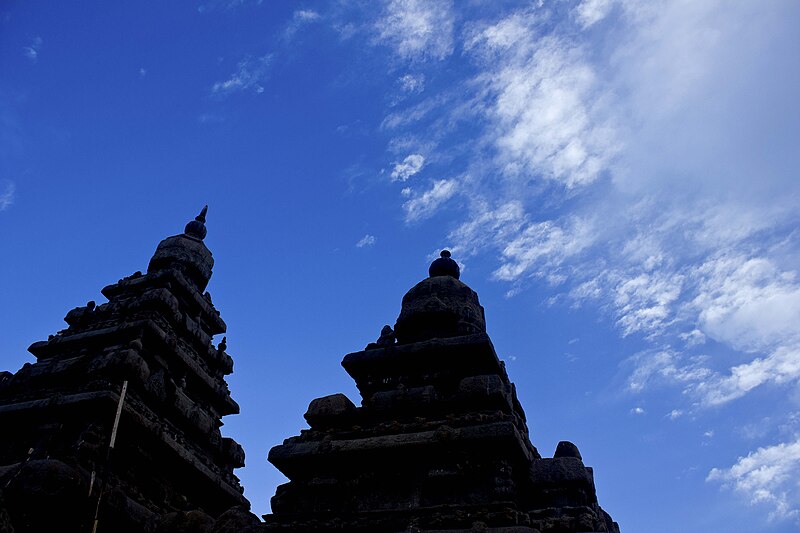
{"points": [[250, 74], [8, 195]]}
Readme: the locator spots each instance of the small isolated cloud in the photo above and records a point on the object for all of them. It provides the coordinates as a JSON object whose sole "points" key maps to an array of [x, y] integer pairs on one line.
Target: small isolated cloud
{"points": [[301, 17], [417, 30], [693, 338], [411, 165], [412, 83], [366, 240], [637, 411], [766, 476], [306, 15], [214, 5], [250, 74], [142, 72], [424, 205], [7, 196], [675, 414], [32, 51]]}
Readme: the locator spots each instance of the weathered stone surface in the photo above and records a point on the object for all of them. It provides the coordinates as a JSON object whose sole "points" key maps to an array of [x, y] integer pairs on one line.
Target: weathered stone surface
{"points": [[185, 522], [236, 520], [325, 411], [44, 495], [439, 307]]}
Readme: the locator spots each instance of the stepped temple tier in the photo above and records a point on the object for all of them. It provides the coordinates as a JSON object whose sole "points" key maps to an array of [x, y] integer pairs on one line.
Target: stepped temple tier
{"points": [[116, 427], [440, 442]]}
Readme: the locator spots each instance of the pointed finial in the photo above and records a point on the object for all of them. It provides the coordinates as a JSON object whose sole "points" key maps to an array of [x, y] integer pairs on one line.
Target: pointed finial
{"points": [[223, 345], [444, 266], [197, 227]]}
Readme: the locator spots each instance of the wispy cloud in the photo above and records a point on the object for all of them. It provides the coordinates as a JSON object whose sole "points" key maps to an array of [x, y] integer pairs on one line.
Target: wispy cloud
{"points": [[417, 30], [633, 156], [366, 240], [32, 51], [8, 194], [250, 74], [214, 5], [425, 205], [301, 18], [412, 83]]}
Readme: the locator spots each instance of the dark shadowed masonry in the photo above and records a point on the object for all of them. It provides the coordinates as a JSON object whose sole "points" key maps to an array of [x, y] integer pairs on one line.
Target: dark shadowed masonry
{"points": [[115, 428]]}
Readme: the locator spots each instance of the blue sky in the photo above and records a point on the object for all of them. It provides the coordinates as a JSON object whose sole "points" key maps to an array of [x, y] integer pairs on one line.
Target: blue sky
{"points": [[617, 178]]}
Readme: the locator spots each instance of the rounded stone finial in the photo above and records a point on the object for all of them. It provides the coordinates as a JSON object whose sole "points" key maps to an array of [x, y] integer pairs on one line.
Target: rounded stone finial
{"points": [[444, 266], [197, 227], [566, 449]]}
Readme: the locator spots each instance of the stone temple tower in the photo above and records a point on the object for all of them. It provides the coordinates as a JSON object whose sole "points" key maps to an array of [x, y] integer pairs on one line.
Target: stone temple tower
{"points": [[440, 442], [142, 368]]}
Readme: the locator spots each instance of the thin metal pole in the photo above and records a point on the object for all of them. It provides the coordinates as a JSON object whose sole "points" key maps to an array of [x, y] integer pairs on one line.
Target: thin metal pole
{"points": [[96, 521]]}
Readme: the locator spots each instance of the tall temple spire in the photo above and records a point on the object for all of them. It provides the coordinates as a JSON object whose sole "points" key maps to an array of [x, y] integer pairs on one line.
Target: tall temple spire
{"points": [[171, 465]]}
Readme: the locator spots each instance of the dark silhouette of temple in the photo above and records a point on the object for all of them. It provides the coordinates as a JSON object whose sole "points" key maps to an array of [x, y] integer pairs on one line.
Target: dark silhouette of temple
{"points": [[116, 427], [147, 354], [440, 442]]}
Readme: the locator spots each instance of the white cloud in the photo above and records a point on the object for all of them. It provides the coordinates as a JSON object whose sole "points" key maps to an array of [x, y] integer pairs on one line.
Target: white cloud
{"points": [[250, 74], [780, 366], [748, 302], [416, 29], [660, 141], [300, 18], [424, 205], [544, 104], [665, 365], [212, 5], [412, 83], [8, 195], [644, 303], [675, 414], [366, 240], [766, 476], [638, 411], [540, 248], [411, 165], [32, 51], [306, 15], [590, 12]]}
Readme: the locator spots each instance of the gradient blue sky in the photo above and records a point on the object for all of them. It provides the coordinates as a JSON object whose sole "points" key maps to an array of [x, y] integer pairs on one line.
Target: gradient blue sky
{"points": [[618, 179]]}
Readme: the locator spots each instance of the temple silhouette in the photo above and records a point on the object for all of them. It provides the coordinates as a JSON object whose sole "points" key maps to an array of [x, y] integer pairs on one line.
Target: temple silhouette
{"points": [[116, 427]]}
